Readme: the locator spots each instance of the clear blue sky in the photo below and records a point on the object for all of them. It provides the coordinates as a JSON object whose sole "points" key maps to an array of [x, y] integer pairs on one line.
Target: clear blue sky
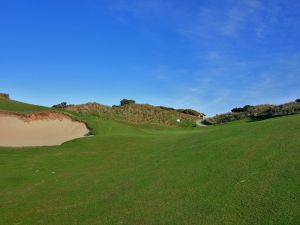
{"points": [[208, 55]]}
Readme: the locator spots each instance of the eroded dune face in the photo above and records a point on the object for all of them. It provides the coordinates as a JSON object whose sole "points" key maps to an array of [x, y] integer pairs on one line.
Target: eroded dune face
{"points": [[43, 129]]}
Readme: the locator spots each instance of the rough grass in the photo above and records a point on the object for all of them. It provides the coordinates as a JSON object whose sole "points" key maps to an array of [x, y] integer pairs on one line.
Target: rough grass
{"points": [[238, 173], [137, 114], [257, 112]]}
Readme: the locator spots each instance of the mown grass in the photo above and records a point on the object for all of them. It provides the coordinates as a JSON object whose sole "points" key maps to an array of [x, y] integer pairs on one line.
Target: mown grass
{"points": [[16, 106], [238, 173]]}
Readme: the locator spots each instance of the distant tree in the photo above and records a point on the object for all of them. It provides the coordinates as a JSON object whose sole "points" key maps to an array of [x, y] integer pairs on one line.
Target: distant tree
{"points": [[60, 105], [126, 102], [298, 100], [246, 107]]}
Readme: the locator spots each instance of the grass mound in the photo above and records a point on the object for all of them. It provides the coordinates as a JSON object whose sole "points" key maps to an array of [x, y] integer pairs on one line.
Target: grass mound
{"points": [[137, 114]]}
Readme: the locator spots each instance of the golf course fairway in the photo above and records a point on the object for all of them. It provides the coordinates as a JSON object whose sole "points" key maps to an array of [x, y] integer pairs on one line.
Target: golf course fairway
{"points": [[239, 173]]}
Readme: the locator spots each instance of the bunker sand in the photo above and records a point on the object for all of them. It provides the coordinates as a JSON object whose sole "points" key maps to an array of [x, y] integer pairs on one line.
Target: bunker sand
{"points": [[41, 129]]}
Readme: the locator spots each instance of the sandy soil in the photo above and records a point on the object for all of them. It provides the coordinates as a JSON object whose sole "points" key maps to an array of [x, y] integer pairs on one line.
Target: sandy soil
{"points": [[42, 129]]}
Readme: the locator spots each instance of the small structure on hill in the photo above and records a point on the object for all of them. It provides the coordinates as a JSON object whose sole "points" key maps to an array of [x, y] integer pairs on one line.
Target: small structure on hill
{"points": [[201, 116]]}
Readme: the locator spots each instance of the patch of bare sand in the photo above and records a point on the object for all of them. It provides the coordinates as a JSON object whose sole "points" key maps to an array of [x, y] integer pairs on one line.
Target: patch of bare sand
{"points": [[38, 129]]}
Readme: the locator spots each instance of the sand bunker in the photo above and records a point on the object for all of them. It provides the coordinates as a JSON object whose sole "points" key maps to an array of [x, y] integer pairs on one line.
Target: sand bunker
{"points": [[42, 129]]}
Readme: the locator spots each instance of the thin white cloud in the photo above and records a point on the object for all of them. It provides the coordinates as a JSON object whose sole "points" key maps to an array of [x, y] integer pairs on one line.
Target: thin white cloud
{"points": [[225, 79], [234, 83], [206, 21]]}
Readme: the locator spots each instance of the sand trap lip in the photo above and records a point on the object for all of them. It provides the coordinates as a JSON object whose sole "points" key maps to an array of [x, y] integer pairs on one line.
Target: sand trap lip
{"points": [[38, 129]]}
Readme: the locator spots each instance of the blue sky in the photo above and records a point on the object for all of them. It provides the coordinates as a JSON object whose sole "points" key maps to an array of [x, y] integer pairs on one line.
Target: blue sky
{"points": [[207, 55]]}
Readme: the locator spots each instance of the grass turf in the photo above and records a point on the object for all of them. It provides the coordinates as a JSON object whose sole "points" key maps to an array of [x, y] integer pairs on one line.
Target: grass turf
{"points": [[238, 173], [16, 106]]}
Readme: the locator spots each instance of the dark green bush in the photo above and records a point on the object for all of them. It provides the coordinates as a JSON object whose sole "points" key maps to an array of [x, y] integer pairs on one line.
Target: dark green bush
{"points": [[241, 109], [247, 107], [298, 100], [126, 102], [237, 110], [61, 105]]}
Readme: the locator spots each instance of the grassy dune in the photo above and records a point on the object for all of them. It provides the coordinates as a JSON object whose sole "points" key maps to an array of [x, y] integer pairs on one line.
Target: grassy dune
{"points": [[137, 114], [238, 173]]}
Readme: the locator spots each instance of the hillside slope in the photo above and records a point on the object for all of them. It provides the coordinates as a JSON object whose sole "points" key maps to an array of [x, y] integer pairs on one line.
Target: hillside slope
{"points": [[16, 106], [137, 114], [257, 112]]}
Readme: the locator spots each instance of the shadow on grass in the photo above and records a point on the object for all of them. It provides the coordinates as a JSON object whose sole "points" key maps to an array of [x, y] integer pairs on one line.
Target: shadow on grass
{"points": [[265, 117]]}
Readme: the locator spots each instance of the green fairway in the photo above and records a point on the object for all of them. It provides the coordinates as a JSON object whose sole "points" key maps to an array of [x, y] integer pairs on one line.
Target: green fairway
{"points": [[238, 173]]}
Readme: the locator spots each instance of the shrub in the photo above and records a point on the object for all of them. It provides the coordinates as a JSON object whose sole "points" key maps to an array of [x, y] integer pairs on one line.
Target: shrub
{"points": [[241, 109], [237, 110], [258, 112], [247, 107], [126, 102], [61, 105], [298, 100], [261, 111]]}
